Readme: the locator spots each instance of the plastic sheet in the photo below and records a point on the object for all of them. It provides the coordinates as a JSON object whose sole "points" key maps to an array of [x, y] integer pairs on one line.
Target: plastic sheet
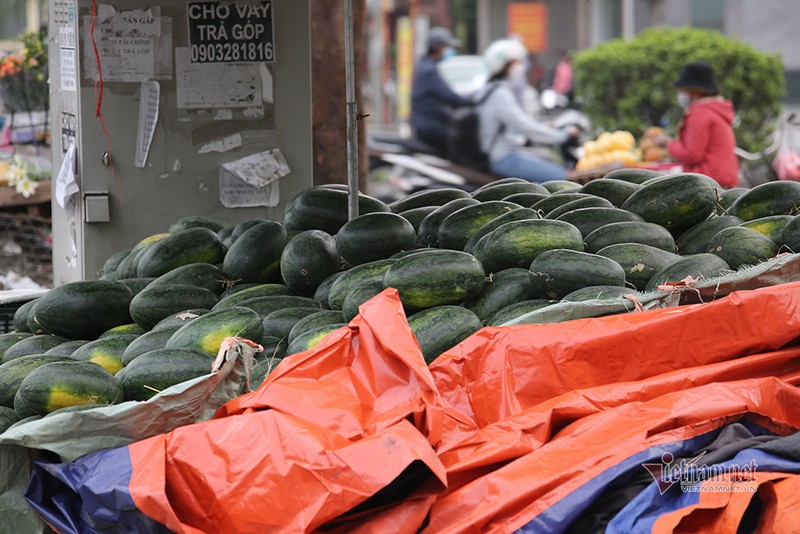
{"points": [[518, 427], [71, 435]]}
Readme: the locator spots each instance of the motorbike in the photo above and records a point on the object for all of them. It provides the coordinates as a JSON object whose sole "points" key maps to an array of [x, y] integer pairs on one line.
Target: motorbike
{"points": [[401, 164]]}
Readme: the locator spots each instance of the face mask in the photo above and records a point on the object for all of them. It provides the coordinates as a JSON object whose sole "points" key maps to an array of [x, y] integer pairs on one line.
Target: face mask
{"points": [[449, 52], [684, 99], [516, 72]]}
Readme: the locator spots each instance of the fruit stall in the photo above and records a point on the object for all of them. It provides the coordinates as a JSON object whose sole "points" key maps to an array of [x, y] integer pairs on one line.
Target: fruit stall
{"points": [[228, 348]]}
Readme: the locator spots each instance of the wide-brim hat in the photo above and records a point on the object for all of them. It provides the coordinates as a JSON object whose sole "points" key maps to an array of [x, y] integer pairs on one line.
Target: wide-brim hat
{"points": [[698, 75], [440, 36]]}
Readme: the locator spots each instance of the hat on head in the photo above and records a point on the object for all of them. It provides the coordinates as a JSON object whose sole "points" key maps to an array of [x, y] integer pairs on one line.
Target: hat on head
{"points": [[440, 36], [698, 75], [501, 52]]}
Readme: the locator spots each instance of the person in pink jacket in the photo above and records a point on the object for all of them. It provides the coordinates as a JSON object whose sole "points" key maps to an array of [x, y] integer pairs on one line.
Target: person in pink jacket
{"points": [[706, 141]]}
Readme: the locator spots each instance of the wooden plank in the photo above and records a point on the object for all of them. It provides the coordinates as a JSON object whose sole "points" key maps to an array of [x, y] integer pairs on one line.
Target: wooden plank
{"points": [[10, 198]]}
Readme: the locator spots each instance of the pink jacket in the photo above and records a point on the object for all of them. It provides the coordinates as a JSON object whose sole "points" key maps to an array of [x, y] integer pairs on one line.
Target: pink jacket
{"points": [[706, 141]]}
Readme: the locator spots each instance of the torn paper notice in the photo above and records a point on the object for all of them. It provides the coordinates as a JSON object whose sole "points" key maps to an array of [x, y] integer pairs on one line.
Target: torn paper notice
{"points": [[252, 180], [235, 193], [150, 96], [133, 46], [66, 196], [223, 144], [216, 85], [259, 169], [66, 185]]}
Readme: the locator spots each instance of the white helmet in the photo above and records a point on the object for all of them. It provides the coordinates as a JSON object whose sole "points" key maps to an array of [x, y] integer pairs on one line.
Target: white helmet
{"points": [[500, 53]]}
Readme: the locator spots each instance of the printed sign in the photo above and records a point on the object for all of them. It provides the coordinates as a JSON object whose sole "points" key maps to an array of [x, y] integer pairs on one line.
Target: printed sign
{"points": [[231, 32], [529, 22]]}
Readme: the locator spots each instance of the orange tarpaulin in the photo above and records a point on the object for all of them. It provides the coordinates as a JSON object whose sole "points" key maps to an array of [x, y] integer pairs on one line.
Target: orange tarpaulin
{"points": [[515, 427]]}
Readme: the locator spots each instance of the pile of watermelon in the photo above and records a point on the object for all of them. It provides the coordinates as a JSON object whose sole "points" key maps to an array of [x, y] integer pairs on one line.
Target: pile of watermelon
{"points": [[459, 261]]}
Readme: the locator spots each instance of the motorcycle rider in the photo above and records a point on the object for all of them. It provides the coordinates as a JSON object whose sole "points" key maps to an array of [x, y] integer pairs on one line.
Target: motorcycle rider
{"points": [[432, 100], [504, 125]]}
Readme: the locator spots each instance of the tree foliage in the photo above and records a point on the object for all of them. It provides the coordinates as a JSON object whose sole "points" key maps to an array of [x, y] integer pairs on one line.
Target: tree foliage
{"points": [[628, 84]]}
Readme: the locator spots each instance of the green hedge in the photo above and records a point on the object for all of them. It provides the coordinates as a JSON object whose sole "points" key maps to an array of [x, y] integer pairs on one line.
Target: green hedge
{"points": [[628, 84]]}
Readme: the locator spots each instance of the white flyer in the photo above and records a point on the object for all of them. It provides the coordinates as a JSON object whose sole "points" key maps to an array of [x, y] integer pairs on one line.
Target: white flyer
{"points": [[149, 102], [216, 85]]}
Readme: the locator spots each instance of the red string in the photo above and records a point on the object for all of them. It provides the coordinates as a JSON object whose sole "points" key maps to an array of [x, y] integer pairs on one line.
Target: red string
{"points": [[98, 97]]}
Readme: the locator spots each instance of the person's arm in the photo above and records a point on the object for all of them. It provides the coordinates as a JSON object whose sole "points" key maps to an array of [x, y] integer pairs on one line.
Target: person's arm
{"points": [[517, 121], [692, 148], [442, 92]]}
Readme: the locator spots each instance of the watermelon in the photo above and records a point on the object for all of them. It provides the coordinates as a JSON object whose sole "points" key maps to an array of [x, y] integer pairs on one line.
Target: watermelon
{"points": [[155, 303], [586, 202], [740, 246], [106, 352], [36, 344], [323, 290], [280, 322], [771, 226], [156, 339], [179, 319], [315, 320], [790, 235], [615, 191], [374, 236], [207, 332], [770, 198], [501, 289], [61, 384], [435, 278], [632, 175], [357, 276], [428, 230], [517, 244], [310, 339], [560, 186], [326, 209], [14, 371], [123, 329], [256, 255], [696, 239], [525, 200], [66, 348], [587, 220], [154, 371], [21, 316], [639, 261], [196, 221], [10, 339], [676, 202], [456, 229], [257, 290], [630, 232], [428, 197], [702, 265], [195, 245], [309, 258], [512, 311], [496, 191], [202, 275], [84, 310], [440, 328], [358, 296], [557, 273], [598, 293], [417, 215], [518, 214]]}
